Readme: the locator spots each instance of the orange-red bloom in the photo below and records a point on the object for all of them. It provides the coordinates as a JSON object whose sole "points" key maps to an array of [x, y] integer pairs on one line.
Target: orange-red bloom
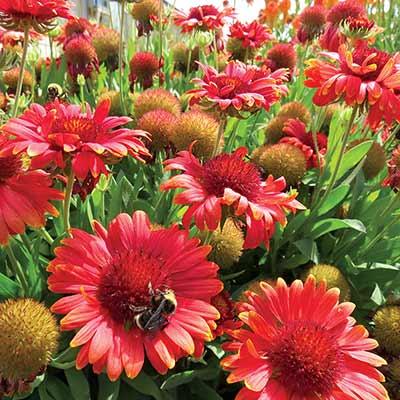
{"points": [[239, 87], [38, 14], [24, 194], [252, 35], [300, 343], [64, 134], [203, 18], [118, 278], [364, 76], [228, 180]]}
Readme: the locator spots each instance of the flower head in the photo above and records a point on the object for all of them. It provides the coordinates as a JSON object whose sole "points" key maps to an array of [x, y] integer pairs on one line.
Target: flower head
{"points": [[134, 290], [298, 136], [281, 55], [364, 76], [229, 181], [203, 18], [24, 194], [253, 35], [300, 343], [393, 178], [10, 79], [156, 99], [226, 308], [67, 137], [143, 12], [38, 14], [239, 88], [312, 21], [29, 337], [144, 66], [295, 110], [106, 43], [387, 328]]}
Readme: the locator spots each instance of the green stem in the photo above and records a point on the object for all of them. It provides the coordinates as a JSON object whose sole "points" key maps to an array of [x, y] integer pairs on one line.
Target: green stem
{"points": [[17, 269], [332, 181], [21, 71], [391, 138], [46, 236], [26, 241], [232, 138], [67, 200], [215, 50], [221, 131], [189, 59], [120, 57]]}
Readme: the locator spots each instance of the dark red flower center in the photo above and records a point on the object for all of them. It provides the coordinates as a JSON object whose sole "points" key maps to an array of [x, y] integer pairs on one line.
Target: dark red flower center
{"points": [[380, 59], [9, 166], [235, 85], [85, 129], [202, 11], [225, 306], [231, 171], [127, 284], [306, 359]]}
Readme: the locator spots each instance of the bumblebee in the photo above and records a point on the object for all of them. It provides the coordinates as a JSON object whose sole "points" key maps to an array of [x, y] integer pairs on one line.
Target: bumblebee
{"points": [[154, 318], [55, 91]]}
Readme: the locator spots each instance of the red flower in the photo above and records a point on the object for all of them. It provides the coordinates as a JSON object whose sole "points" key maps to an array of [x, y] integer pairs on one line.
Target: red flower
{"points": [[393, 178], [299, 343], [24, 194], [204, 18], [281, 55], [252, 35], [239, 87], [39, 14], [144, 66], [365, 76], [118, 279], [312, 20], [228, 320], [228, 180], [65, 134], [299, 137]]}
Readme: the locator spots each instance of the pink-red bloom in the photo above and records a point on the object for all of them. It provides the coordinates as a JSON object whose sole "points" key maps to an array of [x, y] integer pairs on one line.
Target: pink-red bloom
{"points": [[298, 136], [65, 135], [312, 21], [24, 194], [393, 178], [203, 18], [239, 87], [116, 276], [229, 181], [38, 14], [253, 35], [366, 77], [299, 343]]}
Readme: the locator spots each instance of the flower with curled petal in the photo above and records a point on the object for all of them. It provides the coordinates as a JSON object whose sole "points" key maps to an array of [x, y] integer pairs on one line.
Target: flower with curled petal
{"points": [[239, 88], [300, 343], [365, 76], [228, 181], [252, 35], [64, 136]]}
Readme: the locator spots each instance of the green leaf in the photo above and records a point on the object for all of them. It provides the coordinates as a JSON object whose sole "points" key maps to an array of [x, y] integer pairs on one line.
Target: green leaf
{"points": [[332, 224], [353, 157], [309, 249], [66, 359], [377, 296], [203, 391], [8, 288], [54, 389], [108, 390], [78, 384], [334, 198], [143, 383]]}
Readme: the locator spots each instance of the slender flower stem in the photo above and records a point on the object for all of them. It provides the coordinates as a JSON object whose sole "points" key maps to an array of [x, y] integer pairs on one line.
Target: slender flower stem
{"points": [[46, 236], [160, 28], [215, 51], [221, 131], [391, 138], [67, 200], [21, 71], [232, 138], [121, 57], [189, 59], [17, 269], [332, 181]]}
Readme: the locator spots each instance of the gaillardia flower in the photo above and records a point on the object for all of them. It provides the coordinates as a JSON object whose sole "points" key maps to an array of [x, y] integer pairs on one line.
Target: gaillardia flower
{"points": [[252, 35], [205, 18], [134, 291], [300, 343], [144, 66], [38, 14], [24, 194], [64, 134], [239, 88], [365, 76], [281, 55], [393, 178], [228, 180], [312, 20], [29, 337]]}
